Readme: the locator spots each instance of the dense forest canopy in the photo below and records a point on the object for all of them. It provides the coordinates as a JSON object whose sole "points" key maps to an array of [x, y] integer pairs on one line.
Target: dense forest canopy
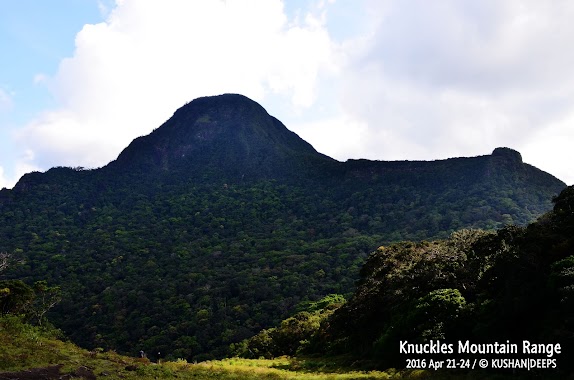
{"points": [[514, 284], [481, 287], [221, 222]]}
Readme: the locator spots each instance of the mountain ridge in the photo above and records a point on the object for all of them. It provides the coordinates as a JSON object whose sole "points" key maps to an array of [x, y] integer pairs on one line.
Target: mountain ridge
{"points": [[221, 221], [233, 135]]}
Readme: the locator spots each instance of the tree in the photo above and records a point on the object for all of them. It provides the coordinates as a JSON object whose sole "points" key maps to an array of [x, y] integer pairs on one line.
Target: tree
{"points": [[15, 297], [18, 298], [4, 259], [437, 312], [46, 298]]}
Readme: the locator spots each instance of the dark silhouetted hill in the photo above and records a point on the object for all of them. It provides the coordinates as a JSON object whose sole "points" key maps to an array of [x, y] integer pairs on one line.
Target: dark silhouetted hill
{"points": [[221, 221]]}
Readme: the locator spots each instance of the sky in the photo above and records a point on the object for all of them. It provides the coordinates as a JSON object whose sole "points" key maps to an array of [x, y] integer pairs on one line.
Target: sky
{"points": [[376, 79]]}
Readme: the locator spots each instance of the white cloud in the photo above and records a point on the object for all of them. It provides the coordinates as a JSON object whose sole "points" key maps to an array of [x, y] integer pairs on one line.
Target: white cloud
{"points": [[480, 46], [408, 79], [22, 166], [551, 149], [459, 78], [338, 138], [130, 73], [4, 182]]}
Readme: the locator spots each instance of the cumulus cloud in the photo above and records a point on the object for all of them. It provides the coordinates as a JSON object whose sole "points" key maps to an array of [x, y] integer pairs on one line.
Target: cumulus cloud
{"points": [[22, 166], [451, 78], [129, 73], [387, 80]]}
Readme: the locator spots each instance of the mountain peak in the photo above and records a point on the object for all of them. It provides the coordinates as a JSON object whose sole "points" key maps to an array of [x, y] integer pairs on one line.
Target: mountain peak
{"points": [[228, 133], [507, 153], [223, 100]]}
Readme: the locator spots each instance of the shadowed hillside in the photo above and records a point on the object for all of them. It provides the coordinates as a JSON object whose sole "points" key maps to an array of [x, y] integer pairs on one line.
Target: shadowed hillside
{"points": [[221, 221]]}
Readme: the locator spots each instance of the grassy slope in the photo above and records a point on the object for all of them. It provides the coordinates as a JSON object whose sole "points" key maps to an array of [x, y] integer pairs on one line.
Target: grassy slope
{"points": [[23, 347]]}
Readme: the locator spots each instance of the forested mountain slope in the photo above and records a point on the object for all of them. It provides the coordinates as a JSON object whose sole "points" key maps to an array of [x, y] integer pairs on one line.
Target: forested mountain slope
{"points": [[497, 289], [220, 221], [511, 285]]}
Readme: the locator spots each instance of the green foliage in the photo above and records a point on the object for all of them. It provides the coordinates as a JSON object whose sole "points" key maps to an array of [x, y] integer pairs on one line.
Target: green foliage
{"points": [[45, 298], [27, 351], [221, 222], [32, 303], [15, 297], [294, 335], [514, 284], [437, 310], [330, 301], [4, 260]]}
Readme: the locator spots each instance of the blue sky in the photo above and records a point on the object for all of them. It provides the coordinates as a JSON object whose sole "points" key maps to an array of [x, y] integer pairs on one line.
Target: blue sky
{"points": [[376, 79], [34, 37]]}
